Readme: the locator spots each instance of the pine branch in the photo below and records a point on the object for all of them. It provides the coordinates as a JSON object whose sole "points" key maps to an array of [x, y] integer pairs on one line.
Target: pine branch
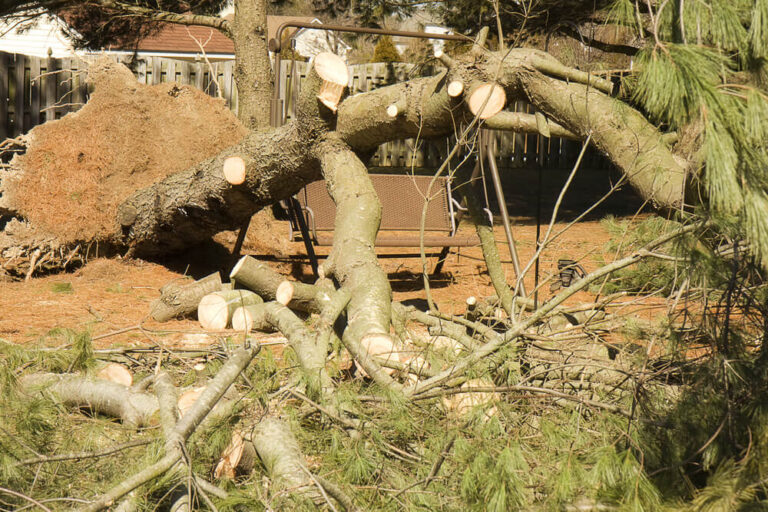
{"points": [[221, 24]]}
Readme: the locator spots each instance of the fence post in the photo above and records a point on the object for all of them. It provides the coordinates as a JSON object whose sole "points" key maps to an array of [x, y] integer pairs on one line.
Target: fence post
{"points": [[34, 91]]}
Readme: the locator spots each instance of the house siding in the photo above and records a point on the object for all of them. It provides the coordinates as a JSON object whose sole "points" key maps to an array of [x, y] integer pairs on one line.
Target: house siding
{"points": [[36, 40]]}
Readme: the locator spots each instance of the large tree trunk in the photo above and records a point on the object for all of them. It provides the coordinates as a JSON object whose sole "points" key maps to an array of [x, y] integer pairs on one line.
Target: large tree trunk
{"points": [[253, 72]]}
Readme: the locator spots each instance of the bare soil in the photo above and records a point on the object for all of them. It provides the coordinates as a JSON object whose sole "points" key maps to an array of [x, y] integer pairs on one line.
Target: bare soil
{"points": [[107, 296]]}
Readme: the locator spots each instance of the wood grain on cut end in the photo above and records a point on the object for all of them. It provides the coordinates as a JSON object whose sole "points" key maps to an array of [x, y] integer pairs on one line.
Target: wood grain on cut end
{"points": [[381, 346], [234, 170], [117, 373], [284, 292], [188, 399], [487, 100], [335, 75], [216, 309], [212, 312]]}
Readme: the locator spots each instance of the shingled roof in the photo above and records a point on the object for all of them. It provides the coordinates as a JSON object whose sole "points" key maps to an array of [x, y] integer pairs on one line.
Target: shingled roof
{"points": [[179, 38]]}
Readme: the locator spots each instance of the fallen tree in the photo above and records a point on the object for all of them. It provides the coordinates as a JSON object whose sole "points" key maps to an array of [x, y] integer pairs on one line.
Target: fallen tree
{"points": [[504, 346]]}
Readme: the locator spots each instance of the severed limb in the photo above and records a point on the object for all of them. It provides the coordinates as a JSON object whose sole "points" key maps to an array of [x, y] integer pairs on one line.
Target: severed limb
{"points": [[526, 123], [311, 354], [177, 436], [353, 260], [270, 285], [182, 299], [134, 408]]}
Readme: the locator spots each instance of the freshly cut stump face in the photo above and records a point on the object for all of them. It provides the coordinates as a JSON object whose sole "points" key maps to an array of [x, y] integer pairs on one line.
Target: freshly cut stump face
{"points": [[216, 309], [188, 399], [455, 88], [487, 101], [335, 75]]}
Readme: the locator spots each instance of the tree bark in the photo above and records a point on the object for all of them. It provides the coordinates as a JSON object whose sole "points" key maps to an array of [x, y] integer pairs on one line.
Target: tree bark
{"points": [[253, 71]]}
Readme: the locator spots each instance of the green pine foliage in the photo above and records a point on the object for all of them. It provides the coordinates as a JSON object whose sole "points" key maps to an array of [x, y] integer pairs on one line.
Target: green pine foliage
{"points": [[709, 69], [386, 51]]}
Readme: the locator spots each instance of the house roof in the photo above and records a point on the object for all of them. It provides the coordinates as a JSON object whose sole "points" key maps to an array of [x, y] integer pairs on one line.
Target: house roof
{"points": [[179, 38]]}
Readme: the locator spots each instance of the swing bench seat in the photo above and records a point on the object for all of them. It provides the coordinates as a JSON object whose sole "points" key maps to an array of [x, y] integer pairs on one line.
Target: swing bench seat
{"points": [[402, 198]]}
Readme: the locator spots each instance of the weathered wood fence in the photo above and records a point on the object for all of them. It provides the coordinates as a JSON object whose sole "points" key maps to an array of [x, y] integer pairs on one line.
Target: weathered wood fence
{"points": [[37, 90]]}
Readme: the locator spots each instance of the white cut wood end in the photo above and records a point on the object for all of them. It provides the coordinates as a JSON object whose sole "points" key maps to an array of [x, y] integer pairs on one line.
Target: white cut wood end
{"points": [[188, 399], [234, 170], [379, 345], [241, 320], [335, 75], [455, 88], [212, 312], [117, 373], [284, 292], [487, 101]]}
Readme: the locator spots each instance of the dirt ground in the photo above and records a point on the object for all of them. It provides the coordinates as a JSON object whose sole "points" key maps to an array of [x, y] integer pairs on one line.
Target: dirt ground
{"points": [[107, 296]]}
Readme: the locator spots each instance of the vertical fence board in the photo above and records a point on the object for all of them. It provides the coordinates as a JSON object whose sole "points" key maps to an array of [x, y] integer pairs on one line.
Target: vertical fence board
{"points": [[50, 89], [34, 91], [157, 70], [170, 73], [186, 71], [18, 109], [4, 96]]}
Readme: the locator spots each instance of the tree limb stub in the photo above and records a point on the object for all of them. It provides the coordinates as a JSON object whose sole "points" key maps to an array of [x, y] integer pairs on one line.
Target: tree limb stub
{"points": [[335, 74]]}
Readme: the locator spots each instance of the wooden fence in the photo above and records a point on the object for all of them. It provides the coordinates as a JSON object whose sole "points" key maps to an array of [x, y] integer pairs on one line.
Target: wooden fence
{"points": [[42, 89]]}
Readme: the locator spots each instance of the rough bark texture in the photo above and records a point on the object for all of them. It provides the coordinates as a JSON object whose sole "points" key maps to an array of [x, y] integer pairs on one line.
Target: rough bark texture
{"points": [[189, 207], [178, 299], [253, 71]]}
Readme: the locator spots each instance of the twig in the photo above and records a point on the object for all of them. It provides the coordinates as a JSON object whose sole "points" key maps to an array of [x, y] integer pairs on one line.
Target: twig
{"points": [[24, 497], [520, 329], [84, 455], [213, 73]]}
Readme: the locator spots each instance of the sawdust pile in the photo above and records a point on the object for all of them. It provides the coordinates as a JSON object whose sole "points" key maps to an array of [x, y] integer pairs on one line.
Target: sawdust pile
{"points": [[77, 170]]}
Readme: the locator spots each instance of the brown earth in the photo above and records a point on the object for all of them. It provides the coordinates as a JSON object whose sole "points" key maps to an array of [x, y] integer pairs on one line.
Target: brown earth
{"points": [[109, 295], [78, 169]]}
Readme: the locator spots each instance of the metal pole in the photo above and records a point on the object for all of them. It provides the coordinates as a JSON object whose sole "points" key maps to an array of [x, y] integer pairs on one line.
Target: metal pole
{"points": [[503, 209]]}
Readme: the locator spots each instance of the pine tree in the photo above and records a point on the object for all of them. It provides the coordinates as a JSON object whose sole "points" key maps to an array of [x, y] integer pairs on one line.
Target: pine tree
{"points": [[386, 51]]}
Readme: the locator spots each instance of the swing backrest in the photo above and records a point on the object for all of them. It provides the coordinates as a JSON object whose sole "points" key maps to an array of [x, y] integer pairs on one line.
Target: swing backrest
{"points": [[402, 198]]}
